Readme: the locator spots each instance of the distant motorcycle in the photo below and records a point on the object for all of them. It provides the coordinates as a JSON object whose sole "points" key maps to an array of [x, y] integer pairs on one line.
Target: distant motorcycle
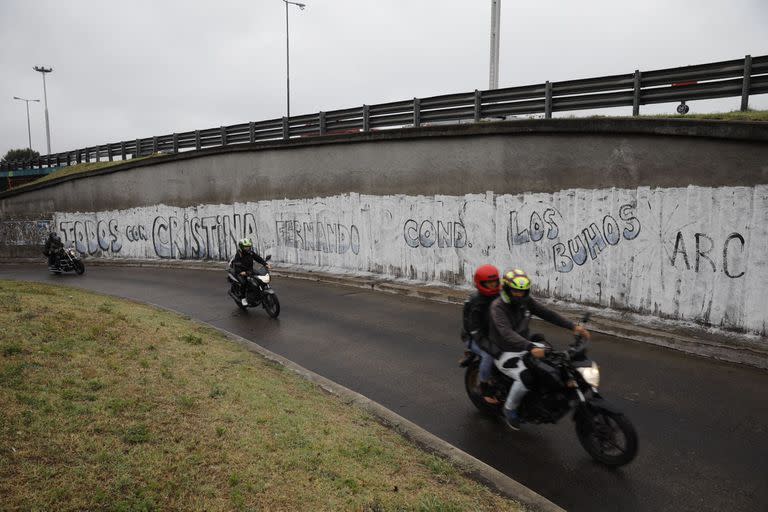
{"points": [[564, 380], [69, 261], [258, 291]]}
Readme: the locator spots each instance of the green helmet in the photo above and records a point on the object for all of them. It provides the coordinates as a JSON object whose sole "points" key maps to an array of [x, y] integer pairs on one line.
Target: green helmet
{"points": [[245, 244], [515, 286]]}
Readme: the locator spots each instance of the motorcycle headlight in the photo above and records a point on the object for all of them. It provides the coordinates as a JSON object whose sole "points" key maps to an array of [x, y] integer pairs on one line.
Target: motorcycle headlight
{"points": [[264, 279], [591, 375]]}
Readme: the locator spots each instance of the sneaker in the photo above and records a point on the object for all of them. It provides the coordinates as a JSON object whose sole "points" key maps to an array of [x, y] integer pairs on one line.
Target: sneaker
{"points": [[466, 359], [512, 419], [244, 302]]}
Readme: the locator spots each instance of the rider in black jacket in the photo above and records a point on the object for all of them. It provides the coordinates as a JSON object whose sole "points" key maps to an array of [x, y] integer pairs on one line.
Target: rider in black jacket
{"points": [[53, 245], [509, 331], [242, 264], [475, 325]]}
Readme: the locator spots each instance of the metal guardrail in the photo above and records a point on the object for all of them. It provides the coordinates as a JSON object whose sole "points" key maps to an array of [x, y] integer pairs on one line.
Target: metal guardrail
{"points": [[741, 77]]}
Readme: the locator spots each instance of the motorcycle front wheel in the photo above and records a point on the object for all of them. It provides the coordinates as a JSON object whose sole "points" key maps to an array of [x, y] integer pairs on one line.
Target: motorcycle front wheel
{"points": [[610, 438], [271, 305], [79, 268]]}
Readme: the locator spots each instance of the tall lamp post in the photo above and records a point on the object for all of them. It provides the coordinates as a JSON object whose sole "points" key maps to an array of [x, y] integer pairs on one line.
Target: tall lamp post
{"points": [[29, 131], [288, 58], [493, 80], [43, 70]]}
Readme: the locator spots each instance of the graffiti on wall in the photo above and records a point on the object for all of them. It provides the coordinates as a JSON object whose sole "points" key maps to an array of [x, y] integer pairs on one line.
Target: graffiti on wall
{"points": [[618, 243], [22, 232]]}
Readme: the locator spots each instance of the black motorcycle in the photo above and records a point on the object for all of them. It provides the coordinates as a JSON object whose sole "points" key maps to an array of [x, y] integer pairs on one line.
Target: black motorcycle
{"points": [[565, 380], [258, 290], [68, 261]]}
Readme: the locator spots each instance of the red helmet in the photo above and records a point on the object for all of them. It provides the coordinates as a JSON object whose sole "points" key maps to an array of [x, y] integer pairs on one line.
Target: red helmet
{"points": [[487, 280]]}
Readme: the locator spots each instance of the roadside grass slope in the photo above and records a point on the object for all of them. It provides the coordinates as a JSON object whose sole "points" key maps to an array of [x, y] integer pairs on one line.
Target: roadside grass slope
{"points": [[112, 405]]}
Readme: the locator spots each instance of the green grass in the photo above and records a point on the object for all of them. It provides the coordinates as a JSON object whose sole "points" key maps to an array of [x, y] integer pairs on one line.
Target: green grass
{"points": [[736, 115], [81, 169], [112, 405]]}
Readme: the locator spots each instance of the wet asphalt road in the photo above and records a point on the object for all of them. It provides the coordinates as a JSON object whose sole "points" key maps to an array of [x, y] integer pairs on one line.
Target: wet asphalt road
{"points": [[703, 425]]}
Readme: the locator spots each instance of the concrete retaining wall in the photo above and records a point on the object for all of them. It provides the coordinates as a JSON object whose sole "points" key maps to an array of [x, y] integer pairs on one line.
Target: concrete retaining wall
{"points": [[668, 219]]}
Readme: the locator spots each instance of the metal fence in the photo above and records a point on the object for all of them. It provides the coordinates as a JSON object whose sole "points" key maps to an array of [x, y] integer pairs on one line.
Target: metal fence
{"points": [[741, 77]]}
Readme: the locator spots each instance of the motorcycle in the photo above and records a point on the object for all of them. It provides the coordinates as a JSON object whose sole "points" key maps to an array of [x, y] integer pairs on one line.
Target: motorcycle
{"points": [[258, 291], [564, 380], [69, 260]]}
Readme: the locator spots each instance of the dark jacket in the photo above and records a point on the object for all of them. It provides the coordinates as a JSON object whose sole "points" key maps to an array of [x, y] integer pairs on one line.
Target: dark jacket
{"points": [[243, 261], [52, 245], [476, 318], [509, 323]]}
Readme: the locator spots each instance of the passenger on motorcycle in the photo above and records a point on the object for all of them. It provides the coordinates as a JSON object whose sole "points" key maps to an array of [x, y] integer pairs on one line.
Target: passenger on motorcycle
{"points": [[52, 247], [509, 331], [242, 264], [475, 325]]}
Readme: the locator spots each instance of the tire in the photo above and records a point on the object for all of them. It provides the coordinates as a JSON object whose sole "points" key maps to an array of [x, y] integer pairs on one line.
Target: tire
{"points": [[473, 391], [79, 268], [598, 430], [271, 305]]}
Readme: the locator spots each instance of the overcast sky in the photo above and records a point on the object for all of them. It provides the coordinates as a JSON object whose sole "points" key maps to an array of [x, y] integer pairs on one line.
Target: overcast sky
{"points": [[124, 70]]}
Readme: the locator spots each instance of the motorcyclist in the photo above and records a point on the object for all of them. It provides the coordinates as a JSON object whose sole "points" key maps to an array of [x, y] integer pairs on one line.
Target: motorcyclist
{"points": [[53, 245], [475, 325], [509, 331], [242, 265]]}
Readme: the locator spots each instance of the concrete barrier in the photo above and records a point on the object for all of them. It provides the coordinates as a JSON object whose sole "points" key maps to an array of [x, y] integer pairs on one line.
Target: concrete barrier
{"points": [[649, 216]]}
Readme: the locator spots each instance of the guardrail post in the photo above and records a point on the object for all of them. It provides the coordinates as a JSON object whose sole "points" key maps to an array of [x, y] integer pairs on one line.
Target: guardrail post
{"points": [[98, 153], [197, 140], [286, 129], [252, 132], [548, 100], [416, 112], [223, 136], [321, 122], [636, 94], [58, 160], [78, 158], [137, 154], [745, 83], [122, 150], [109, 152], [366, 118], [478, 105], [154, 145], [175, 142]]}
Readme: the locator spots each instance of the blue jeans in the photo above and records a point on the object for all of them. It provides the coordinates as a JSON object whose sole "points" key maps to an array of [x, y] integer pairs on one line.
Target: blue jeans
{"points": [[486, 360]]}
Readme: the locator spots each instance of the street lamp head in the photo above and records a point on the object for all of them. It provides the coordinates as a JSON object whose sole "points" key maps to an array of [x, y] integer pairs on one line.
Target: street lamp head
{"points": [[298, 4], [42, 69]]}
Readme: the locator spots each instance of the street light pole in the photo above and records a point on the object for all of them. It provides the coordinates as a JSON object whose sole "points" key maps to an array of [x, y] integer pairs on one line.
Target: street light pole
{"points": [[495, 24], [288, 58], [43, 70], [29, 131]]}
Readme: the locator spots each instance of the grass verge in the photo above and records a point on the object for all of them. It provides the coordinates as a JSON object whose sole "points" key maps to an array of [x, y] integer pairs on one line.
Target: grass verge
{"points": [[80, 169], [111, 405]]}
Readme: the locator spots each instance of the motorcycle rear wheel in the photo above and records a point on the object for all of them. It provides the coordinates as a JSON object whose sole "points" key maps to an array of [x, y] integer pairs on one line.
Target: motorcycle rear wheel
{"points": [[271, 305], [600, 438], [472, 385]]}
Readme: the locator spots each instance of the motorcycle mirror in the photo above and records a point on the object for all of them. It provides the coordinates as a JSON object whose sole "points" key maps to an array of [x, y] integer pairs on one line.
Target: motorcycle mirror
{"points": [[268, 257]]}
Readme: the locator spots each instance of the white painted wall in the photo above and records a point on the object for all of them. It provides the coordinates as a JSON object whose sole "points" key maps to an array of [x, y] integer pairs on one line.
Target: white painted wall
{"points": [[692, 253]]}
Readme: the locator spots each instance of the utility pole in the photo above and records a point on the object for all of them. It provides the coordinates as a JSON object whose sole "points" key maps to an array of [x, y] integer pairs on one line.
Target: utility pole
{"points": [[493, 82], [288, 58], [29, 130], [43, 70]]}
